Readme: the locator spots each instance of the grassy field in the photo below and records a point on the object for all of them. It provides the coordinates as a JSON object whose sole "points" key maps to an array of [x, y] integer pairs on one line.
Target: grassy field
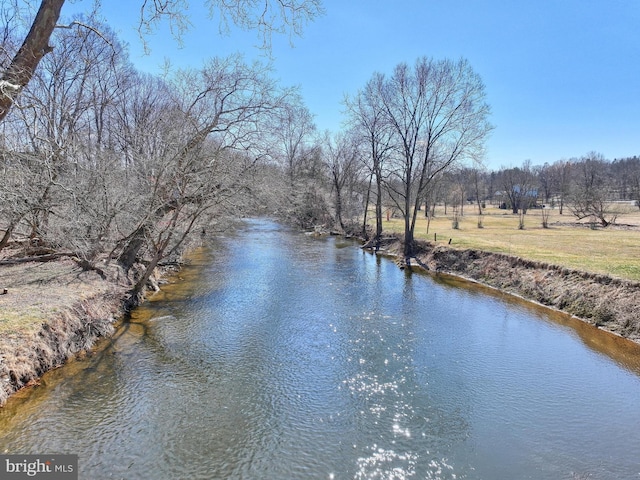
{"points": [[614, 250]]}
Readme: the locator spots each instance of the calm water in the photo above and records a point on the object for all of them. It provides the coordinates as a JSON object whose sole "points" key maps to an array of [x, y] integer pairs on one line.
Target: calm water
{"points": [[282, 356]]}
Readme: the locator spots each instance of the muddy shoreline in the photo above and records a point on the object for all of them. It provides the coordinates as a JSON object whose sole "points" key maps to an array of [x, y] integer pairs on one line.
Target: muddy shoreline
{"points": [[71, 330]]}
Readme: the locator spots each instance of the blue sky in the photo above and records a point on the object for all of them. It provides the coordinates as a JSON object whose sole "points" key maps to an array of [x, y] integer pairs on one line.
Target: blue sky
{"points": [[562, 76]]}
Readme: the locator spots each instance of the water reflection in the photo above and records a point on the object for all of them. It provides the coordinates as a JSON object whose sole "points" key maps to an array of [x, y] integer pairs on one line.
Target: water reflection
{"points": [[287, 356], [624, 352]]}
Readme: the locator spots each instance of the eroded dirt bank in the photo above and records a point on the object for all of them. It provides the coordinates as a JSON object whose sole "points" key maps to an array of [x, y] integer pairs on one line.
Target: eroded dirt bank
{"points": [[609, 303], [51, 312], [25, 357]]}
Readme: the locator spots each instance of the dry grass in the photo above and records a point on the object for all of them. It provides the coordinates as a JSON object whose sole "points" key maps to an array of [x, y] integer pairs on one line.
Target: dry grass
{"points": [[38, 292], [51, 312], [613, 251]]}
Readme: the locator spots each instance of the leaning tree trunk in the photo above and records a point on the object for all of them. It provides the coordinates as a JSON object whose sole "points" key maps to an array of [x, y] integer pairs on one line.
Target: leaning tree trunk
{"points": [[138, 238], [130, 253], [7, 236], [35, 46], [142, 281]]}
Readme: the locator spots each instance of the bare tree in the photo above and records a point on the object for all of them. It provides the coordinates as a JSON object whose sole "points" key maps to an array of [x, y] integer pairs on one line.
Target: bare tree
{"points": [[478, 180], [461, 181], [562, 170], [545, 176], [367, 117], [591, 195], [518, 185], [344, 164], [293, 129], [439, 116]]}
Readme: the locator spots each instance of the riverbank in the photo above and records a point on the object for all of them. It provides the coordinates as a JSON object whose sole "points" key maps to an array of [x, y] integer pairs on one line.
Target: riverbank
{"points": [[582, 246], [52, 311], [611, 304]]}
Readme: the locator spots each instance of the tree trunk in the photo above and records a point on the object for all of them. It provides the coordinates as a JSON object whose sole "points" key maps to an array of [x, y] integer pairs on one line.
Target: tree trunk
{"points": [[35, 46], [339, 209], [408, 243], [128, 256], [139, 237], [7, 235], [142, 281], [408, 230], [378, 210], [366, 207]]}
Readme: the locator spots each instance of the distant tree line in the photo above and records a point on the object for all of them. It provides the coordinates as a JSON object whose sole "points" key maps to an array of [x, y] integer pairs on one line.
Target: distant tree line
{"points": [[587, 187], [351, 181]]}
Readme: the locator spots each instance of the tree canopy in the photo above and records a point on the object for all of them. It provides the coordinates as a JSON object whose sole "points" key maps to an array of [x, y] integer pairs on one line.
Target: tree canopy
{"points": [[266, 17]]}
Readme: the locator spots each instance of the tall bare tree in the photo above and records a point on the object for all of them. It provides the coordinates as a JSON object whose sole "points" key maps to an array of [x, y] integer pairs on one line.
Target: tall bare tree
{"points": [[438, 113], [342, 157], [367, 117]]}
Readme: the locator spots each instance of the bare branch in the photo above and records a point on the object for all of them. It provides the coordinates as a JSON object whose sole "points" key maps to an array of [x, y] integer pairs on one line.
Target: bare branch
{"points": [[88, 27]]}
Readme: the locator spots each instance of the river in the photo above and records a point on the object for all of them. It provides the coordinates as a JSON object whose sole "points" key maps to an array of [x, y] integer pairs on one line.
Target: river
{"points": [[278, 355]]}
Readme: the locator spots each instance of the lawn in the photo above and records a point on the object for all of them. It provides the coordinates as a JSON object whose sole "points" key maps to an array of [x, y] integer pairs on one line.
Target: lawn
{"points": [[614, 250]]}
